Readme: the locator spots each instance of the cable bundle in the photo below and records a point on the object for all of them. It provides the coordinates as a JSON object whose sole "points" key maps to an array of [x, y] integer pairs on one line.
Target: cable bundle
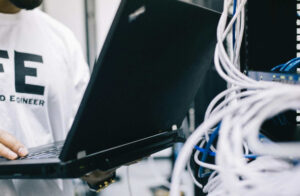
{"points": [[244, 165]]}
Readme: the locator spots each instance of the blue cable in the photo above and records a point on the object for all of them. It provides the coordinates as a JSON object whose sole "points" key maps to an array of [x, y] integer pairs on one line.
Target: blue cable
{"points": [[213, 154], [292, 60], [233, 29], [207, 147], [250, 156], [207, 152], [290, 64], [293, 66], [277, 67]]}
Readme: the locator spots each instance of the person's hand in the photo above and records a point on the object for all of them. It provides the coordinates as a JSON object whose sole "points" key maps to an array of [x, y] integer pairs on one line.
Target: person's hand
{"points": [[99, 180], [10, 147], [97, 176]]}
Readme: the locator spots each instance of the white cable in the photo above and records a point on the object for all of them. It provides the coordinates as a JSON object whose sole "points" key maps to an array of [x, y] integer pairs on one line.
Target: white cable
{"points": [[242, 114], [198, 184], [193, 140], [128, 181]]}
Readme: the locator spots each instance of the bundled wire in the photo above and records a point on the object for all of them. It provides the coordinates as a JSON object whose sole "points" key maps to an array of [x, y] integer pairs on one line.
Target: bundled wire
{"points": [[241, 109], [290, 66]]}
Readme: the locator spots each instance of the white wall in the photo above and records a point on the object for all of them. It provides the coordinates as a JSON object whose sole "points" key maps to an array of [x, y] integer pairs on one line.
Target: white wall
{"points": [[71, 13], [105, 13]]}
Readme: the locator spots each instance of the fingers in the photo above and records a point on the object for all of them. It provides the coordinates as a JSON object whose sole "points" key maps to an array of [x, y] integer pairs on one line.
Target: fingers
{"points": [[7, 153], [10, 146]]}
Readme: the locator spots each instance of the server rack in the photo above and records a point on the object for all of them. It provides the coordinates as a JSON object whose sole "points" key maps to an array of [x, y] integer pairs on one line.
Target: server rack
{"points": [[272, 37]]}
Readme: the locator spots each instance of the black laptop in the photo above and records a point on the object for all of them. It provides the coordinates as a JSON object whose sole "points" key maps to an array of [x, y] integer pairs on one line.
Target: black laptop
{"points": [[142, 85]]}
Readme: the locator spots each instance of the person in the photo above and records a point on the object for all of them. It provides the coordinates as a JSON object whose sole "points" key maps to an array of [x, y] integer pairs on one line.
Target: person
{"points": [[43, 76]]}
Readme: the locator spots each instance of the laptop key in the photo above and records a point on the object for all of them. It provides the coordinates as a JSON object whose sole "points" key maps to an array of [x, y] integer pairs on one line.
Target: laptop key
{"points": [[52, 152]]}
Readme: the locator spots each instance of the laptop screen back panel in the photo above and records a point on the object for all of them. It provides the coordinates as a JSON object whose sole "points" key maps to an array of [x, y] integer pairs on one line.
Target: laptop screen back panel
{"points": [[147, 74]]}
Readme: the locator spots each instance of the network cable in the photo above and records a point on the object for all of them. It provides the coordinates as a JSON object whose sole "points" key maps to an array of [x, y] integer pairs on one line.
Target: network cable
{"points": [[213, 154], [234, 26], [290, 66], [273, 170], [206, 151]]}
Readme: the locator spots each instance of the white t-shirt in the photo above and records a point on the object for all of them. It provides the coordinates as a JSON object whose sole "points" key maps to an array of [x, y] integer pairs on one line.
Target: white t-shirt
{"points": [[43, 75]]}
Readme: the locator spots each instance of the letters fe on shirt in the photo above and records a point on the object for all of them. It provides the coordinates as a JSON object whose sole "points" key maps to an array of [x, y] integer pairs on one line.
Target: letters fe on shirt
{"points": [[21, 71]]}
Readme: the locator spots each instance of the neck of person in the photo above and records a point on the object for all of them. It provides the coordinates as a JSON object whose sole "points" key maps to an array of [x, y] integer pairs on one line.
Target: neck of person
{"points": [[8, 8]]}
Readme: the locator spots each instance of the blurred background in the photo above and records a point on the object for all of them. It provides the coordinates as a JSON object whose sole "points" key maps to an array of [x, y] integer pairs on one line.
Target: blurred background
{"points": [[89, 20]]}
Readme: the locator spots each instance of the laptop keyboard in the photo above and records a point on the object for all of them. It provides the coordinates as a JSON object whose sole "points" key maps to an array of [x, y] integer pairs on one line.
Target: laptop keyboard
{"points": [[49, 153], [42, 152], [45, 153]]}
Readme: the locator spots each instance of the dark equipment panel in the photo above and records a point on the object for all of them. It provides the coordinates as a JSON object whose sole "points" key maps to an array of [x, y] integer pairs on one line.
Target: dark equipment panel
{"points": [[270, 35], [270, 40]]}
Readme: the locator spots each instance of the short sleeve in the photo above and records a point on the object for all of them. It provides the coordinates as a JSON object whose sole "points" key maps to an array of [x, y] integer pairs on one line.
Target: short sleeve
{"points": [[80, 75]]}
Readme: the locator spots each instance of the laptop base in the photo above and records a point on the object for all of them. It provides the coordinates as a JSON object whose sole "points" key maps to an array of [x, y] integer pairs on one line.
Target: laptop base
{"points": [[105, 160]]}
